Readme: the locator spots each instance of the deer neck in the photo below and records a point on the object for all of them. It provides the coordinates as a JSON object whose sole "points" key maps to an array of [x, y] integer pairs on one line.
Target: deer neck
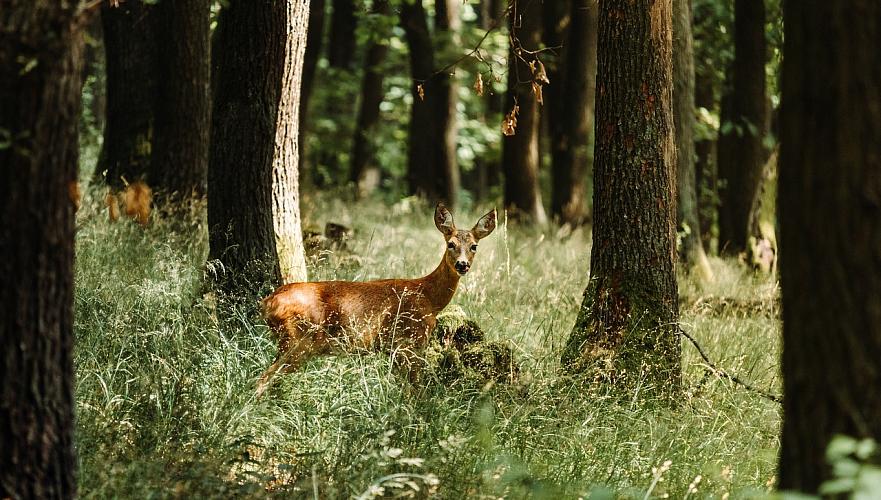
{"points": [[439, 286]]}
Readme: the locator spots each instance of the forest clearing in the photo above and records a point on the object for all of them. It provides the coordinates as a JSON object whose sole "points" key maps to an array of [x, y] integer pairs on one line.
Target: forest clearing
{"points": [[490, 249]]}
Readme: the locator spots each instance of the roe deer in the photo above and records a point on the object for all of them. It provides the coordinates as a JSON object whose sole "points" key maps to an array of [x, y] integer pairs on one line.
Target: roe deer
{"points": [[397, 315]]}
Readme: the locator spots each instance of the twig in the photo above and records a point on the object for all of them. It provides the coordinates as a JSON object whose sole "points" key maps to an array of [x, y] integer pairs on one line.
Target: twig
{"points": [[723, 374]]}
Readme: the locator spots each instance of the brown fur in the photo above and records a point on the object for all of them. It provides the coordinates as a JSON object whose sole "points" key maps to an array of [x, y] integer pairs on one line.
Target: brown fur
{"points": [[137, 200], [394, 315]]}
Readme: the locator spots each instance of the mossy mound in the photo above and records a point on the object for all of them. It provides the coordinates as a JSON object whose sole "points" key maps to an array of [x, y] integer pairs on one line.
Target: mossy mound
{"points": [[459, 352]]}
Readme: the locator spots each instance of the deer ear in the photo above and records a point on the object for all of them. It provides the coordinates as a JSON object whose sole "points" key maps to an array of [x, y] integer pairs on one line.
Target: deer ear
{"points": [[485, 225], [443, 219]]}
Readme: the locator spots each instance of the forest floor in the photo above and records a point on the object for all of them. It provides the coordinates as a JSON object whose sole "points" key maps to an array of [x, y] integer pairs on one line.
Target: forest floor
{"points": [[165, 390]]}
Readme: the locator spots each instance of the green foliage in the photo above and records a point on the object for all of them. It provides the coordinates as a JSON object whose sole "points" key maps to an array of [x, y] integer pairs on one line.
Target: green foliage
{"points": [[165, 386]]}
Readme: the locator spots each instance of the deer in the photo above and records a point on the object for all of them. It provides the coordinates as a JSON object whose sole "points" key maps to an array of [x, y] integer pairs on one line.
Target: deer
{"points": [[393, 315]]}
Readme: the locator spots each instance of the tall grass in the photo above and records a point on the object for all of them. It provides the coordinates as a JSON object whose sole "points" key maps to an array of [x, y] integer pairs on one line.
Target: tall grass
{"points": [[165, 384]]}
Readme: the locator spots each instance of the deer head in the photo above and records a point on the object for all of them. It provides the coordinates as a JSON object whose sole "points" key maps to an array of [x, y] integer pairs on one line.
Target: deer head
{"points": [[462, 243]]}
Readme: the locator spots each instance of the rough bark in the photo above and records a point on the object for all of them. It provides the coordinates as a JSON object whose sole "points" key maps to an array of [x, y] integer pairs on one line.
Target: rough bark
{"points": [[626, 325], [341, 45], [314, 44], [447, 26], [365, 173], [425, 151], [182, 123], [285, 180], [691, 252], [741, 170], [40, 91], [571, 107], [247, 74], [830, 232], [520, 152], [130, 44]]}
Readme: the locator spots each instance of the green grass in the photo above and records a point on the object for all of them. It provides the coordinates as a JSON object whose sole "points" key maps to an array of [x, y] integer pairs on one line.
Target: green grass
{"points": [[165, 389]]}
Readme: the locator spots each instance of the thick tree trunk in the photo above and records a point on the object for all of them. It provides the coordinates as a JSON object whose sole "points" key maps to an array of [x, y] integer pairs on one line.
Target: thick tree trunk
{"points": [[691, 253], [285, 181], [247, 75], [520, 152], [130, 44], [571, 109], [830, 233], [40, 88], [182, 123], [447, 25], [741, 170], [314, 44], [628, 317], [365, 172], [341, 46]]}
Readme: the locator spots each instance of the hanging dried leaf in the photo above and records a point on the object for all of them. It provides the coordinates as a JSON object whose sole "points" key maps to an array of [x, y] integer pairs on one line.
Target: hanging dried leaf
{"points": [[478, 85], [420, 90], [539, 74], [509, 124], [536, 90]]}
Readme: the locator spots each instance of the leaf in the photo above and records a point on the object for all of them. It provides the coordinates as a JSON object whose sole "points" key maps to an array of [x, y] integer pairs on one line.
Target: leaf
{"points": [[509, 124], [478, 85], [420, 90], [536, 90], [840, 447]]}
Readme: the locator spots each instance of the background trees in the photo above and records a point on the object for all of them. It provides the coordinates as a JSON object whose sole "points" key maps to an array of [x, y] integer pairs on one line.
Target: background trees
{"points": [[830, 225], [629, 310], [40, 83]]}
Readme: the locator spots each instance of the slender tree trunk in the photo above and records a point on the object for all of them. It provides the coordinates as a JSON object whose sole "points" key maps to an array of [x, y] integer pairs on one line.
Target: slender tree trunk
{"points": [[341, 47], [628, 316], [705, 167], [314, 44], [447, 26], [573, 103], [130, 43], [247, 75], [520, 152], [40, 87], [365, 172], [285, 180], [691, 252], [741, 171], [486, 169], [182, 123], [830, 229]]}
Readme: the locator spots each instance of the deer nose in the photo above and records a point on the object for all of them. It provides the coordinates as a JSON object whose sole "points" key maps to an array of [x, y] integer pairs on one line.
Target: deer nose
{"points": [[462, 266]]}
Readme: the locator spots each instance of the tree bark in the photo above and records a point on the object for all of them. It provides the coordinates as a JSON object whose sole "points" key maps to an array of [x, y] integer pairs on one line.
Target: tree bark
{"points": [[247, 75], [182, 122], [691, 253], [285, 180], [627, 322], [571, 107], [830, 232], [741, 170], [40, 90], [314, 44], [130, 44], [520, 152], [447, 26], [341, 46], [365, 172]]}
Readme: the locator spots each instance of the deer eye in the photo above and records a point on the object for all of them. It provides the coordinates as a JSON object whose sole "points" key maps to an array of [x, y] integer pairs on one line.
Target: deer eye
{"points": [[473, 248], [451, 245]]}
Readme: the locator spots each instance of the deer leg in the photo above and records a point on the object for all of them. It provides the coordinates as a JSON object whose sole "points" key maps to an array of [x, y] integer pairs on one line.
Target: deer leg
{"points": [[293, 352]]}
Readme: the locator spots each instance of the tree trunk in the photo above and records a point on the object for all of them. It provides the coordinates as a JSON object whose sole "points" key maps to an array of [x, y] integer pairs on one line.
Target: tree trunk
{"points": [[571, 115], [341, 47], [247, 75], [40, 91], [691, 253], [447, 26], [627, 321], [520, 151], [741, 170], [130, 44], [182, 123], [705, 166], [425, 176], [365, 172], [314, 43], [285, 180], [830, 233]]}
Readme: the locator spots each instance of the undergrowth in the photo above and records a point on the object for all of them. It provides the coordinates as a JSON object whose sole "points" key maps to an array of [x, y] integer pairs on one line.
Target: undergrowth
{"points": [[165, 384]]}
